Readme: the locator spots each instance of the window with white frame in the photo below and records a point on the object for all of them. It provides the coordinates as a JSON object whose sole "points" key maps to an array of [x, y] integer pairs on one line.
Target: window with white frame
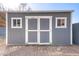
{"points": [[16, 22], [61, 22]]}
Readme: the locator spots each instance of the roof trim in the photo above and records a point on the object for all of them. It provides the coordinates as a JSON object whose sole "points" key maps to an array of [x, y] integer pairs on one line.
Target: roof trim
{"points": [[40, 11]]}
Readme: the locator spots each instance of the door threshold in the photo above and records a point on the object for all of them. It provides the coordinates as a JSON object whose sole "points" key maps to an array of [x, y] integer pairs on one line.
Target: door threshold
{"points": [[38, 43]]}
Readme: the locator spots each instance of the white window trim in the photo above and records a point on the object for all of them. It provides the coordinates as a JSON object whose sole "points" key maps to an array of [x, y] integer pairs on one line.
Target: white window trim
{"points": [[38, 30], [65, 26], [16, 19]]}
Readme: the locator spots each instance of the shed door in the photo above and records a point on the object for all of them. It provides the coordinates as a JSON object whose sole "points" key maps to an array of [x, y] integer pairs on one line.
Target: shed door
{"points": [[38, 29]]}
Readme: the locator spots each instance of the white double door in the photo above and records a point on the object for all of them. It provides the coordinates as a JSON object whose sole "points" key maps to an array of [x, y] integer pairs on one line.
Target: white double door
{"points": [[38, 29]]}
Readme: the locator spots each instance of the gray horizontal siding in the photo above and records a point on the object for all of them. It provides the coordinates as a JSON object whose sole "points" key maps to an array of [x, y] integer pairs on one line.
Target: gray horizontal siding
{"points": [[16, 35], [61, 36]]}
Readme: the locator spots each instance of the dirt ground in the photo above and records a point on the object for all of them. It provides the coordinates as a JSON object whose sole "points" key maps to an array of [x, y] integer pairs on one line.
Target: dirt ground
{"points": [[37, 50]]}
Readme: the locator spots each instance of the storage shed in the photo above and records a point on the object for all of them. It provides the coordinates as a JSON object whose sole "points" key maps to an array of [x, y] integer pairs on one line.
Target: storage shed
{"points": [[51, 27]]}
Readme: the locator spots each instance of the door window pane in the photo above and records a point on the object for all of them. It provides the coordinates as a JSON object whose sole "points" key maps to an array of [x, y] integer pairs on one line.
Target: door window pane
{"points": [[44, 37], [32, 36], [44, 24], [32, 24]]}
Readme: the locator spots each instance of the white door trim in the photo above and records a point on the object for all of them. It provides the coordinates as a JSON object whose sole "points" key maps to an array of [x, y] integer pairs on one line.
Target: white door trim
{"points": [[38, 29]]}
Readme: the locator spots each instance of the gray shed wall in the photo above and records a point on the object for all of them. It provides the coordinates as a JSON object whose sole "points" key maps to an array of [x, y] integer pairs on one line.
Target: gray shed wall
{"points": [[76, 33], [60, 36]]}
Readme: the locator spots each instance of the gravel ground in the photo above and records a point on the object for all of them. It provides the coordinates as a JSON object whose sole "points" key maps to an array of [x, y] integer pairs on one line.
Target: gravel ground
{"points": [[37, 50]]}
